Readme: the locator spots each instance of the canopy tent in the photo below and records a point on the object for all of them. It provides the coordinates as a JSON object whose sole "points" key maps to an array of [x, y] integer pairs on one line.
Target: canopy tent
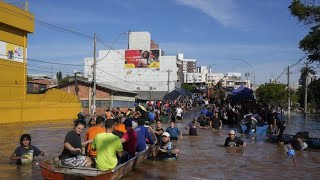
{"points": [[177, 94], [242, 94]]}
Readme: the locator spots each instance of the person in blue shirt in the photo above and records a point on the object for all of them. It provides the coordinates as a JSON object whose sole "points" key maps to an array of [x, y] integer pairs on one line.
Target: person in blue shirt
{"points": [[142, 133], [204, 111], [151, 116], [173, 131]]}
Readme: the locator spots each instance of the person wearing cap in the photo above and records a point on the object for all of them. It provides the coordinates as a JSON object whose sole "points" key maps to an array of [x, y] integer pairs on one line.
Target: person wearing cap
{"points": [[166, 149], [130, 138], [233, 141]]}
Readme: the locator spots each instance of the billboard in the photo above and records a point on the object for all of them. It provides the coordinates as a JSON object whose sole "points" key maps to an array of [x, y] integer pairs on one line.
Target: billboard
{"points": [[10, 51], [142, 59]]}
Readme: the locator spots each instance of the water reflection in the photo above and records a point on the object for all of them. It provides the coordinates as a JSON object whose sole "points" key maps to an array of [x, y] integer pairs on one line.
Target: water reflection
{"points": [[202, 157]]}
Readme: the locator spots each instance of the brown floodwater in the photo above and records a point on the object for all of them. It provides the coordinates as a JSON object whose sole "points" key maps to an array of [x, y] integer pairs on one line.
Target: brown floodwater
{"points": [[202, 157]]}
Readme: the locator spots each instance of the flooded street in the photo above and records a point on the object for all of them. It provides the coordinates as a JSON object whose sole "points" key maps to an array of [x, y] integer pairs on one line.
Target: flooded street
{"points": [[202, 157]]}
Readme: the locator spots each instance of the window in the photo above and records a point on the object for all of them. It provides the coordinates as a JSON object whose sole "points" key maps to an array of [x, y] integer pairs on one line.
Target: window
{"points": [[102, 103], [85, 103], [123, 104]]}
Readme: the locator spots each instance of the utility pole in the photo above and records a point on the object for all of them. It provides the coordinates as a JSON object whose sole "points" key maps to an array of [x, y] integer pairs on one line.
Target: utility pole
{"points": [[150, 88], [76, 88], [306, 91], [129, 39], [169, 79], [289, 99], [94, 79]]}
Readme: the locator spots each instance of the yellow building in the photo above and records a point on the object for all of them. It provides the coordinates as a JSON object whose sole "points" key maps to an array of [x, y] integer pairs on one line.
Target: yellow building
{"points": [[15, 104]]}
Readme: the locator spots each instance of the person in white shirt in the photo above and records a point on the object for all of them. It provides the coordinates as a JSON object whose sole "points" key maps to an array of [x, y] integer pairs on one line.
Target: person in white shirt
{"points": [[179, 113]]}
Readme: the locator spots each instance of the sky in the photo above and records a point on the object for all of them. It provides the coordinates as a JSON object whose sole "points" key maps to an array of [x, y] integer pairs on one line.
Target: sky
{"points": [[226, 34]]}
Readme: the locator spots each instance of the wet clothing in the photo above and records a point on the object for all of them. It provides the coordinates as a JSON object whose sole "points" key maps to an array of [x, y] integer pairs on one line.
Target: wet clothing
{"points": [[130, 145], [159, 135], [202, 121], [193, 129], [107, 145], [165, 155], [29, 152], [233, 142], [142, 133], [216, 123], [174, 132], [74, 140]]}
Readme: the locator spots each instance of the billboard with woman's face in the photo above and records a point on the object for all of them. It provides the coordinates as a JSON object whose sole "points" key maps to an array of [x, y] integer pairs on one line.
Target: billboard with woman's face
{"points": [[142, 59]]}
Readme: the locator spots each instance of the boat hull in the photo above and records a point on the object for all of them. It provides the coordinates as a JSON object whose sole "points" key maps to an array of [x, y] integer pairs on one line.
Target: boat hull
{"points": [[51, 169]]}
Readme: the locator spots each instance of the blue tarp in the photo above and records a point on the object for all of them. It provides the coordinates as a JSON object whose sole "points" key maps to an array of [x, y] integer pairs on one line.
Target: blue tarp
{"points": [[176, 94], [242, 93]]}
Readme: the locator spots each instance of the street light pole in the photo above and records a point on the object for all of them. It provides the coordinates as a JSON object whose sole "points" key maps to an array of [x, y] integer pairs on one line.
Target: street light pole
{"points": [[247, 75]]}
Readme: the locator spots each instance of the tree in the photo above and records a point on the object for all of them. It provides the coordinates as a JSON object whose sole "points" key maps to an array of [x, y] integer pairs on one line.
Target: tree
{"points": [[186, 86], [65, 80], [314, 87], [308, 12], [29, 78], [59, 76], [272, 94]]}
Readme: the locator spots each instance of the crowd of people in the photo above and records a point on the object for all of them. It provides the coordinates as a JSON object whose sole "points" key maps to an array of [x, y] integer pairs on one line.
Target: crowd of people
{"points": [[117, 136]]}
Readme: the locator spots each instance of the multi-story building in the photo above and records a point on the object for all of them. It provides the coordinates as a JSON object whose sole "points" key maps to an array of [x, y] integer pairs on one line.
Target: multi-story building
{"points": [[186, 68], [234, 80], [139, 68]]}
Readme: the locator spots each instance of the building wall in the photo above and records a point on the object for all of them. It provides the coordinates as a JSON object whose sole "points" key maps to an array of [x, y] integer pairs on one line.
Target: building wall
{"points": [[52, 105], [13, 32], [111, 69], [104, 98], [139, 40], [15, 104]]}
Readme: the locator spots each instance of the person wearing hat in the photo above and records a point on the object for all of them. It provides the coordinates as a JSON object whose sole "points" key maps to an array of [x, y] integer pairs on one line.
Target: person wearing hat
{"points": [[233, 141], [130, 138], [166, 149]]}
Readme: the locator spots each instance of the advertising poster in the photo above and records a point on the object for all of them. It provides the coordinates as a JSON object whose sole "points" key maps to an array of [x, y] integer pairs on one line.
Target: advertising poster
{"points": [[142, 59], [11, 52]]}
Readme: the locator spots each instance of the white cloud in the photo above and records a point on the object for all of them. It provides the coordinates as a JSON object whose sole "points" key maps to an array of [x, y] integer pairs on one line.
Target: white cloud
{"points": [[223, 11]]}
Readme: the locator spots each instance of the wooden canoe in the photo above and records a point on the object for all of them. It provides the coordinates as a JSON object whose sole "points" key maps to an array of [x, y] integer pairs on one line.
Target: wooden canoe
{"points": [[52, 169]]}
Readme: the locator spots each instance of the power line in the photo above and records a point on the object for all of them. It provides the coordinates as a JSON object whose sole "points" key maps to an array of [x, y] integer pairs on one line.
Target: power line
{"points": [[120, 78], [46, 24], [47, 62]]}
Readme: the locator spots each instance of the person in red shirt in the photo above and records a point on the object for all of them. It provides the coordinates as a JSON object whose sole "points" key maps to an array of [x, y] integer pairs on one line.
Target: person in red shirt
{"points": [[129, 139], [92, 132]]}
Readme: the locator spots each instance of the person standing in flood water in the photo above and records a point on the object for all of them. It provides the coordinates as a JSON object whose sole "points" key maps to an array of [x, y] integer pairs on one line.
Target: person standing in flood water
{"points": [[174, 131], [25, 153], [233, 141]]}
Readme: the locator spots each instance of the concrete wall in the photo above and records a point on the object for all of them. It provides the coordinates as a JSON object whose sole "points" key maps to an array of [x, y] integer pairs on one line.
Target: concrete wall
{"points": [[15, 104], [111, 69], [52, 105]]}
